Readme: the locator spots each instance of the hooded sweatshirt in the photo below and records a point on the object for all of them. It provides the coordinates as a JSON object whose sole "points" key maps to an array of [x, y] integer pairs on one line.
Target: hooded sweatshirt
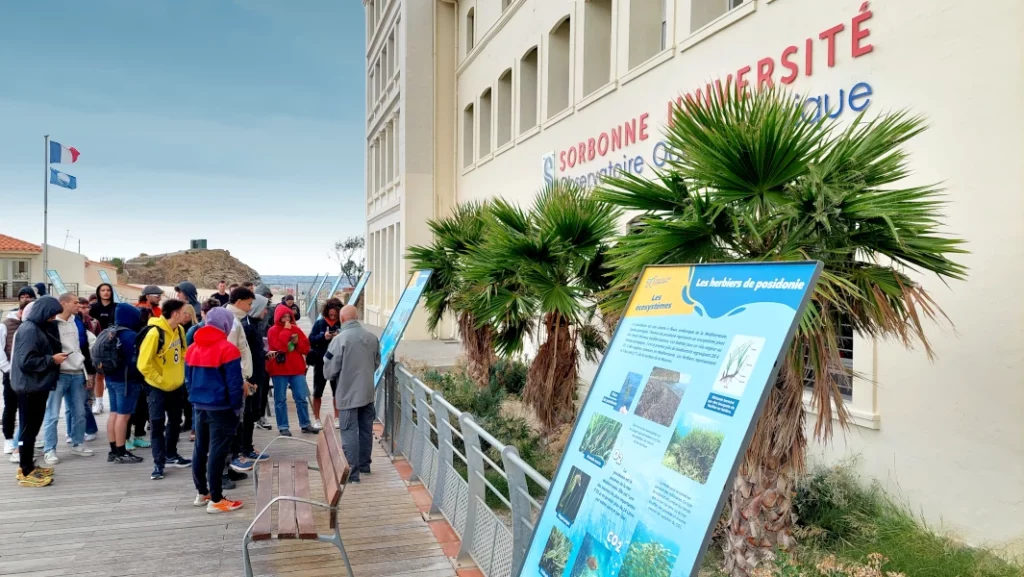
{"points": [[236, 336], [104, 313], [279, 339], [162, 367], [214, 366], [191, 295], [130, 319], [75, 343], [37, 340], [40, 289], [254, 336]]}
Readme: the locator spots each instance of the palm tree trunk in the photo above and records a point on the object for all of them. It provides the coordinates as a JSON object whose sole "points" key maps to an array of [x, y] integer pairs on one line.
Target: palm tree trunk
{"points": [[551, 381], [479, 350]]}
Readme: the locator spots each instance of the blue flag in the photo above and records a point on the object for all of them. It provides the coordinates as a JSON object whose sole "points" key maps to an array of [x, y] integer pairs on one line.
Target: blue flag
{"points": [[61, 179]]}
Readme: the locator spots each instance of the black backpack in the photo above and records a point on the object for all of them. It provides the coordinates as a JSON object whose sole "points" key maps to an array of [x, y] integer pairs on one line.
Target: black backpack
{"points": [[106, 351]]}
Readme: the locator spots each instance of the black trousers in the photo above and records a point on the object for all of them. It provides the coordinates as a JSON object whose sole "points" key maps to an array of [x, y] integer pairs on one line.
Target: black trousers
{"points": [[164, 410], [141, 415], [214, 431], [31, 410], [10, 408]]}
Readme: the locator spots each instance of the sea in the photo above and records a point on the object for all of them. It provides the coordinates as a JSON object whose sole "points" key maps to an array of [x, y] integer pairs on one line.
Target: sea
{"points": [[303, 282]]}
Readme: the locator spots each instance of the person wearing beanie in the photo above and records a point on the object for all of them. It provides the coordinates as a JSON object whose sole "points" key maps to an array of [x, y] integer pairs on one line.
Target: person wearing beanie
{"points": [[217, 392], [26, 295]]}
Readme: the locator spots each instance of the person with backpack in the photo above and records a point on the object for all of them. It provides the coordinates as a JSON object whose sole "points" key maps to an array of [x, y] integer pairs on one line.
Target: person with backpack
{"points": [[140, 418], [217, 392], [103, 310], [112, 356], [160, 358], [287, 369]]}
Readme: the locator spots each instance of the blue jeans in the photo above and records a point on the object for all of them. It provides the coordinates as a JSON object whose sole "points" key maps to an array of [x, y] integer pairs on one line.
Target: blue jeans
{"points": [[300, 392], [90, 420], [71, 390], [357, 437]]}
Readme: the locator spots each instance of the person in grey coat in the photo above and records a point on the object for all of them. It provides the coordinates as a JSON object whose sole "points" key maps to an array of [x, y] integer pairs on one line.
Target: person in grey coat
{"points": [[351, 360]]}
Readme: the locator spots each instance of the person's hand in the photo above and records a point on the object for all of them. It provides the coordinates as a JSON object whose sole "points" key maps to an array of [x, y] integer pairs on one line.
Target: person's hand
{"points": [[295, 338], [60, 358], [328, 335], [287, 324]]}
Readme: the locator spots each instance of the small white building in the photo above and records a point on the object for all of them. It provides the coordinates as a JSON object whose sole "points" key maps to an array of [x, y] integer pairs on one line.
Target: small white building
{"points": [[472, 99]]}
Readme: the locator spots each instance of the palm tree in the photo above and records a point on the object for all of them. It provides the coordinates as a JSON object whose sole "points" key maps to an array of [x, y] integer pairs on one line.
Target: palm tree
{"points": [[447, 291], [753, 181], [547, 263]]}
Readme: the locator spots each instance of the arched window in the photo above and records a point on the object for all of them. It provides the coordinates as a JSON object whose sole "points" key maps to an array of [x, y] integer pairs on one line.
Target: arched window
{"points": [[485, 123], [470, 30], [597, 44], [702, 12], [504, 108], [468, 129], [559, 43], [528, 85]]}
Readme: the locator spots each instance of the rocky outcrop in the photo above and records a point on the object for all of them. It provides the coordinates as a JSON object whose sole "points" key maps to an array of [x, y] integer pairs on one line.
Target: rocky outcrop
{"points": [[202, 267]]}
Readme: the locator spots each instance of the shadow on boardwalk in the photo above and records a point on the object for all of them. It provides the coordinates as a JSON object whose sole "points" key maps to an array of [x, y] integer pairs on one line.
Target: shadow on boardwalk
{"points": [[102, 519]]}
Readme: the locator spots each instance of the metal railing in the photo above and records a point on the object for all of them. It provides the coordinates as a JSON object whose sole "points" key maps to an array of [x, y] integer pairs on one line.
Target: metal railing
{"points": [[457, 461]]}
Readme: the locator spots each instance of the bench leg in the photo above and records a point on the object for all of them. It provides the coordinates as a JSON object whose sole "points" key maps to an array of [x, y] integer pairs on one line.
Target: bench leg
{"points": [[246, 562], [336, 540]]}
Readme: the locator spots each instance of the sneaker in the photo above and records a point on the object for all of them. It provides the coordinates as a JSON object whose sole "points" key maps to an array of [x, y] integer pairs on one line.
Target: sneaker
{"points": [[128, 459], [257, 457], [42, 471], [285, 433], [227, 484], [67, 440], [264, 424], [82, 451], [90, 436], [149, 426], [364, 470], [39, 442], [310, 431], [8, 446], [34, 479], [141, 443], [129, 444], [337, 425], [201, 501], [317, 424], [178, 462], [225, 505], [97, 409], [51, 458], [157, 474], [236, 475], [241, 466], [111, 456], [15, 458]]}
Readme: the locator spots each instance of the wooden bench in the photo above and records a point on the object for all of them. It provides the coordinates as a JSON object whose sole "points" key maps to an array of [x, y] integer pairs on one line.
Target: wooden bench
{"points": [[295, 506]]}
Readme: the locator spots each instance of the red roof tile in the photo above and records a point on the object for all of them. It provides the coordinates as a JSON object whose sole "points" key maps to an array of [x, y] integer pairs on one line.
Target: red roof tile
{"points": [[11, 244]]}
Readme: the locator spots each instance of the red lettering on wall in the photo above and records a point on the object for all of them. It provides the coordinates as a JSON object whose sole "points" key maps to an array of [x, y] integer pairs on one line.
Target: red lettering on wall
{"points": [[788, 64], [857, 33], [765, 68], [617, 138], [830, 36], [630, 132], [582, 147], [561, 161], [720, 89], [572, 157], [591, 143], [643, 126], [809, 57], [740, 82], [602, 144]]}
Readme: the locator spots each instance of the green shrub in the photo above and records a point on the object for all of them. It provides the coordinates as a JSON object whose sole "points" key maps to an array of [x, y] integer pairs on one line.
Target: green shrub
{"points": [[509, 375]]}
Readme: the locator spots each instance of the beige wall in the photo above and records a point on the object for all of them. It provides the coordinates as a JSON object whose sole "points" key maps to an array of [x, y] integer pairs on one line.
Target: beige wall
{"points": [[92, 273], [70, 266], [945, 435]]}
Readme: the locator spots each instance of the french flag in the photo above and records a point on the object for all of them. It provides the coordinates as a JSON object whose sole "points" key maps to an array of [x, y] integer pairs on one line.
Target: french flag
{"points": [[60, 154]]}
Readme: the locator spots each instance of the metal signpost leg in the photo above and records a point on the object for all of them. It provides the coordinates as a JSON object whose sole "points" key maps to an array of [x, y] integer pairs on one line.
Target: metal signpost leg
{"points": [[390, 395]]}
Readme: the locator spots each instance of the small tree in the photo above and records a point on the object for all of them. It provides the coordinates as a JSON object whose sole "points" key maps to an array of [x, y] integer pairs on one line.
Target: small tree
{"points": [[344, 254]]}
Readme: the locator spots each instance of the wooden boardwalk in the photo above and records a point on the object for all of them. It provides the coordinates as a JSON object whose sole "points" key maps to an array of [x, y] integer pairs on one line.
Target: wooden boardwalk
{"points": [[102, 519]]}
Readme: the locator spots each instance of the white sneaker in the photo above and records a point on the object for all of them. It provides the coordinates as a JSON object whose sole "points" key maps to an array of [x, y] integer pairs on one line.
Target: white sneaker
{"points": [[90, 437], [8, 446], [337, 425], [67, 440], [97, 409], [317, 424], [39, 442], [82, 450], [201, 501], [51, 457], [15, 458]]}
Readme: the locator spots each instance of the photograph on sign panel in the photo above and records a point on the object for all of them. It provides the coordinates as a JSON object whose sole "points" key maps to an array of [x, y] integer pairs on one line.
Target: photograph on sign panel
{"points": [[649, 554], [572, 495], [556, 554], [694, 447], [740, 360], [594, 559], [628, 391], [661, 397], [600, 437]]}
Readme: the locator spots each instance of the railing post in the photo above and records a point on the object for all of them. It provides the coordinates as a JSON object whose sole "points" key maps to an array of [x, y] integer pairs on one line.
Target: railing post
{"points": [[406, 429], [522, 513], [390, 388], [477, 489], [422, 430], [445, 453]]}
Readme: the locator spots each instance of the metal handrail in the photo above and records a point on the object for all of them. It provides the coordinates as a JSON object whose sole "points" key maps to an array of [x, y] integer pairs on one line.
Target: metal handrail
{"points": [[425, 429]]}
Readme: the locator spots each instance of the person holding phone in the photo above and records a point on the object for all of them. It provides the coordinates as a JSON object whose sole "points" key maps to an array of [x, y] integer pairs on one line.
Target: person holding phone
{"points": [[320, 336], [286, 366]]}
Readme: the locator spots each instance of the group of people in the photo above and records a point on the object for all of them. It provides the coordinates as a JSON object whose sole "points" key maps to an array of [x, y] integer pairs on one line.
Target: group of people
{"points": [[179, 365]]}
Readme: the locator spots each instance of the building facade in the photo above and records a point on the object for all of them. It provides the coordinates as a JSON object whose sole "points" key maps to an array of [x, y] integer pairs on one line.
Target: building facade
{"points": [[547, 89]]}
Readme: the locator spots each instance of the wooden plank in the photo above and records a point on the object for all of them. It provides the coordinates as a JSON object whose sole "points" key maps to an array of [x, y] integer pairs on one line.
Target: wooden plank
{"points": [[286, 527], [304, 511], [265, 493], [341, 465]]}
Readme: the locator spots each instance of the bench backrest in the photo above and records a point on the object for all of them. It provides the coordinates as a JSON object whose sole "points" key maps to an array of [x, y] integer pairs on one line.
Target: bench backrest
{"points": [[334, 467]]}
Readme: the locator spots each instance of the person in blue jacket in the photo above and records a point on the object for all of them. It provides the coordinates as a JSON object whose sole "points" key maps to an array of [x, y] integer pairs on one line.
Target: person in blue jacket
{"points": [[213, 368], [125, 386]]}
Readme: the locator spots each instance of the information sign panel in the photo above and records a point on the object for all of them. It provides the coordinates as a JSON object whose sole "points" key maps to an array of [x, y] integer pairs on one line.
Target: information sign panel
{"points": [[400, 319]]}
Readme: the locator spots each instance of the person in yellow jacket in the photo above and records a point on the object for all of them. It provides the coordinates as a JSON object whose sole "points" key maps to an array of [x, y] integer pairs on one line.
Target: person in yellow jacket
{"points": [[162, 364]]}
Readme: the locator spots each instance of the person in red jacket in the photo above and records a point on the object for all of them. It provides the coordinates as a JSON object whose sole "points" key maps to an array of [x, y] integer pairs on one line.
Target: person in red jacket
{"points": [[287, 346]]}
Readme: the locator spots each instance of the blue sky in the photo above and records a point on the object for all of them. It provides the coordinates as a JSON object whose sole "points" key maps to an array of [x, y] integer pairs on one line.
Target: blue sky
{"points": [[238, 121]]}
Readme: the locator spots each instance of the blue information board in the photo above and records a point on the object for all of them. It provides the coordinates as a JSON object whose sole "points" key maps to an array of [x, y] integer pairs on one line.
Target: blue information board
{"points": [[57, 283], [314, 295], [106, 279], [353, 299], [334, 289], [668, 418], [400, 319]]}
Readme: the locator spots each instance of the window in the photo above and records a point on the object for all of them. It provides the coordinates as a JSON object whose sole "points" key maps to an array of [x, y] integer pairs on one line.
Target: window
{"points": [[648, 30], [467, 136], [597, 44], [559, 42], [505, 108], [394, 57], [844, 340], [470, 30], [528, 90], [702, 12], [389, 137], [485, 123]]}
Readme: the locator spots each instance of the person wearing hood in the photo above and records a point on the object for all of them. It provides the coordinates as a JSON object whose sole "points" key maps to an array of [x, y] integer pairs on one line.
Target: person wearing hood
{"points": [[40, 289], [26, 295], [35, 371], [190, 294], [125, 386], [244, 454], [161, 360], [287, 368], [264, 290], [103, 310], [217, 392], [8, 328]]}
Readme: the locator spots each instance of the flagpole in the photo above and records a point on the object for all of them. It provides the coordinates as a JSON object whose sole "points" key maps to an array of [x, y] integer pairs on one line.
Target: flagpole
{"points": [[46, 192]]}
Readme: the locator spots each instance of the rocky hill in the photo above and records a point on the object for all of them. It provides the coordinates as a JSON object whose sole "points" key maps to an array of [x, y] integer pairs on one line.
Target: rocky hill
{"points": [[203, 267]]}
